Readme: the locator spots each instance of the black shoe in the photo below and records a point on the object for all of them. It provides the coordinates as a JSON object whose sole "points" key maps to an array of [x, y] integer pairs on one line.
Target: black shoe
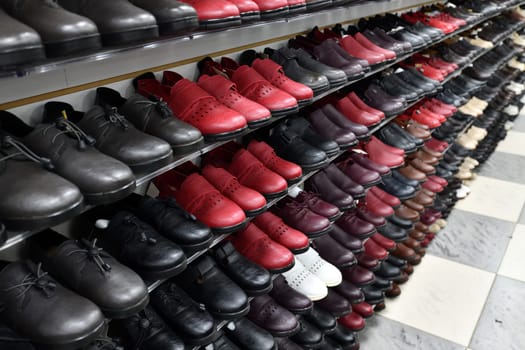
{"points": [[397, 188], [137, 245], [322, 319], [92, 273], [10, 340], [247, 335], [37, 307], [405, 180], [287, 344], [303, 128], [388, 271], [147, 331], [223, 343], [400, 222], [252, 278], [309, 335], [174, 223], [290, 146], [3, 234], [335, 304], [392, 137], [194, 324], [345, 337], [373, 296], [400, 263], [207, 284], [393, 232]]}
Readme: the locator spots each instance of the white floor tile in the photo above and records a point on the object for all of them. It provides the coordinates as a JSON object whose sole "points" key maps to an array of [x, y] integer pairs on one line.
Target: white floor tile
{"points": [[514, 259], [495, 198], [442, 298], [514, 143]]}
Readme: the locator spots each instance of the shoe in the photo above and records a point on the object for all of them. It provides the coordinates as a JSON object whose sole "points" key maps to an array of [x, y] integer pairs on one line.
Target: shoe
{"points": [[303, 219], [216, 14], [359, 276], [81, 265], [345, 337], [355, 114], [365, 162], [269, 315], [198, 197], [278, 231], [248, 9], [119, 22], [208, 285], [377, 206], [17, 52], [172, 16], [308, 336], [386, 197], [252, 278], [361, 175], [286, 344], [305, 282], [255, 245], [331, 131], [344, 182], [246, 334], [360, 131], [272, 8], [70, 152], [335, 304], [225, 91], [174, 223], [352, 243], [288, 297], [153, 117], [397, 188], [322, 319], [330, 192], [325, 271], [70, 34], [353, 322], [351, 292], [307, 132], [113, 134], [314, 202], [334, 252], [381, 153], [288, 170], [355, 226], [146, 330], [336, 77], [224, 343], [75, 321], [141, 247]]}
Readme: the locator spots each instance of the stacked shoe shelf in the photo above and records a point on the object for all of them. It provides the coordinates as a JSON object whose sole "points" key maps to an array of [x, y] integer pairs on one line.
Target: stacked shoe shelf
{"points": [[15, 238]]}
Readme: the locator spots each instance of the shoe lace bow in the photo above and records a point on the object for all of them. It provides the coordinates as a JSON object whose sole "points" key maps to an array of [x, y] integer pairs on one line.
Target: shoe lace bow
{"points": [[23, 150], [91, 252]]}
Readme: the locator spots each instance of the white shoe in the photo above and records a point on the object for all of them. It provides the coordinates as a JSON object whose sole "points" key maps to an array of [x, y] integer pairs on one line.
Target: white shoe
{"points": [[476, 133], [511, 110], [434, 228], [462, 192], [467, 142], [471, 161], [464, 174], [441, 222], [305, 282], [514, 63], [325, 271], [509, 125]]}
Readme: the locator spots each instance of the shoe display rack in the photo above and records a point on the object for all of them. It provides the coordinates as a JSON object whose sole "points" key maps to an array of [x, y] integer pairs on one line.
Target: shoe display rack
{"points": [[74, 79]]}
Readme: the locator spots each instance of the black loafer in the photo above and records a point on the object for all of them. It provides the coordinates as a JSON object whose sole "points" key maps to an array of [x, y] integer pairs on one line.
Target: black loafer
{"points": [[397, 188], [346, 337], [393, 232], [308, 134], [322, 319], [147, 331], [248, 335], [194, 325], [252, 278], [207, 284], [139, 246], [309, 336]]}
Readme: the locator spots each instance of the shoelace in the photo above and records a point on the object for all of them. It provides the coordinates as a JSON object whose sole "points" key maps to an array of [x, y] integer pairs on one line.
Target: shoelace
{"points": [[36, 280], [113, 117], [93, 253], [23, 150], [68, 128], [160, 105], [144, 238]]}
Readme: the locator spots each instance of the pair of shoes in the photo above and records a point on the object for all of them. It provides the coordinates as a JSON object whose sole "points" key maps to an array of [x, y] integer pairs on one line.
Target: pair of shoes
{"points": [[357, 111]]}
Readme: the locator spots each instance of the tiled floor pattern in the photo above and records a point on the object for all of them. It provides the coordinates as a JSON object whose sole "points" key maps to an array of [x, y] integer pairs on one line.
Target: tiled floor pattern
{"points": [[469, 291]]}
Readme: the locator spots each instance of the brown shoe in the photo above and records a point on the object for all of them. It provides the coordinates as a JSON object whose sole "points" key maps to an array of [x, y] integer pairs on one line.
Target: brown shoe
{"points": [[426, 157], [409, 270], [423, 199], [394, 291], [412, 204], [407, 213], [417, 235], [412, 173], [421, 227], [412, 243], [422, 166]]}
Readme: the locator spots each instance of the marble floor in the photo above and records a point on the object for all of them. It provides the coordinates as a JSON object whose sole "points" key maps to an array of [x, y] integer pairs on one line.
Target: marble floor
{"points": [[469, 291]]}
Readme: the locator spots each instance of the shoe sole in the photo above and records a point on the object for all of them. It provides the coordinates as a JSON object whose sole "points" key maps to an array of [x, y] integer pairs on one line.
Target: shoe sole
{"points": [[21, 56], [337, 216], [317, 5], [203, 340], [346, 265], [229, 229], [136, 35], [229, 315], [282, 269], [274, 13], [165, 273], [68, 47], [256, 292], [260, 123], [348, 207], [316, 166], [305, 311], [299, 250], [180, 25], [250, 16], [220, 23], [41, 222], [192, 248], [119, 314], [225, 136], [337, 83], [187, 148], [151, 163], [296, 9], [294, 181], [73, 344], [318, 234], [109, 197], [306, 102], [275, 194], [251, 213], [372, 184], [288, 333], [285, 111]]}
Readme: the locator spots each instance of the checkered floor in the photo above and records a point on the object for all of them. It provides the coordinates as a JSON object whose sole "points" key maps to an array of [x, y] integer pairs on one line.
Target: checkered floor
{"points": [[469, 291]]}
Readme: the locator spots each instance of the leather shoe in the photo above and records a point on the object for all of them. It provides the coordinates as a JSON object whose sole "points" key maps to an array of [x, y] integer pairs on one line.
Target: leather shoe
{"points": [[269, 315], [298, 216], [318, 206], [355, 226], [248, 335], [333, 252], [335, 304], [278, 231], [358, 276], [351, 292], [288, 170], [288, 297], [305, 282], [329, 191], [308, 336], [353, 322]]}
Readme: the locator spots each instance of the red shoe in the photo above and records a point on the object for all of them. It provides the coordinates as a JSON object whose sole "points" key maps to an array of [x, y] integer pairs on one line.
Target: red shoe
{"points": [[248, 9], [226, 92], [147, 85], [252, 202], [433, 186], [384, 242], [363, 40], [364, 309], [296, 6], [278, 231], [436, 145], [274, 73], [354, 48], [438, 109], [442, 104], [375, 250], [430, 72], [385, 197], [368, 262], [425, 119], [352, 112], [256, 246], [380, 153], [353, 322], [198, 197], [272, 8], [215, 13], [252, 173], [439, 180], [377, 206], [365, 214], [252, 85], [363, 106], [290, 171], [195, 106]]}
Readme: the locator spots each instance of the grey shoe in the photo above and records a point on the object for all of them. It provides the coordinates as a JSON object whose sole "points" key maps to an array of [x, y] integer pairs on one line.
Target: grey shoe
{"points": [[32, 197], [172, 16], [37, 307], [114, 135], [62, 32], [70, 153], [3, 234], [18, 43], [118, 21], [154, 118]]}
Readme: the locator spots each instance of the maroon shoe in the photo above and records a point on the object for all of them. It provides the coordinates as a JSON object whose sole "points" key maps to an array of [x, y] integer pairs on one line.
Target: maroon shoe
{"points": [[359, 276], [377, 206], [329, 191], [368, 262], [335, 304], [351, 292], [350, 242], [384, 242], [344, 182], [303, 219], [318, 206], [375, 250], [356, 226], [367, 215], [332, 251], [353, 321], [363, 176], [288, 297], [364, 309], [364, 161]]}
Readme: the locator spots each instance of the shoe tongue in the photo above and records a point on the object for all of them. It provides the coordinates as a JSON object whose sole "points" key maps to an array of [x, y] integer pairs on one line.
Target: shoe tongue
{"points": [[54, 111]]}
